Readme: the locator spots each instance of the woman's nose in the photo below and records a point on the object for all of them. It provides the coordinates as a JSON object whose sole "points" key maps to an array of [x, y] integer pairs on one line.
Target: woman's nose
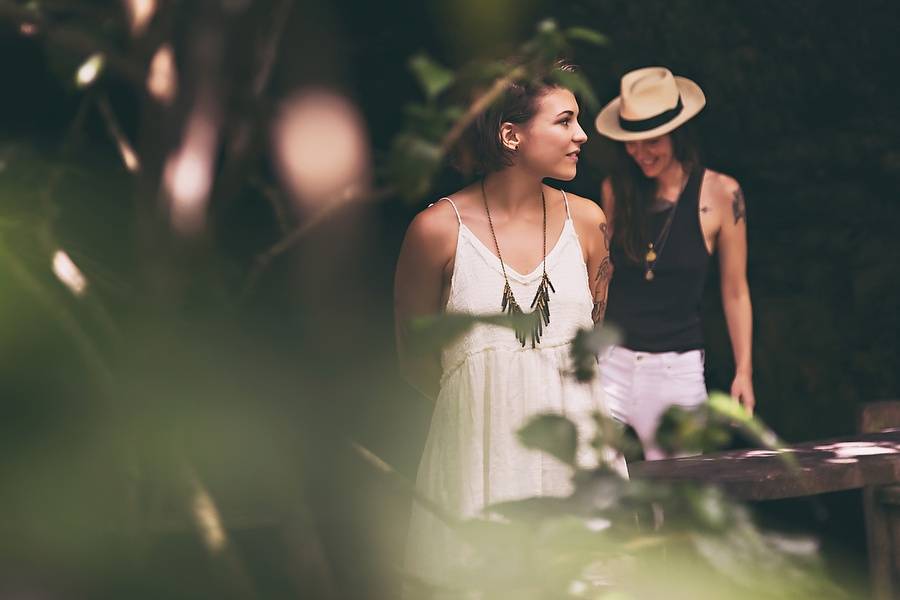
{"points": [[580, 136]]}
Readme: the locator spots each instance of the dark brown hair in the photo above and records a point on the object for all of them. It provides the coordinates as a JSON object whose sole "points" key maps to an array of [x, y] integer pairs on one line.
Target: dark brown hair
{"points": [[634, 192], [480, 150]]}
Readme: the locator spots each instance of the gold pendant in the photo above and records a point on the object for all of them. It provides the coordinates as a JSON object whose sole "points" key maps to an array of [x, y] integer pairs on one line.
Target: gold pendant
{"points": [[651, 255], [648, 275]]}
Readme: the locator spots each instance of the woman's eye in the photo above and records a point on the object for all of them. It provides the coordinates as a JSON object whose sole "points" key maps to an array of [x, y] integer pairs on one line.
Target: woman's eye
{"points": [[565, 122]]}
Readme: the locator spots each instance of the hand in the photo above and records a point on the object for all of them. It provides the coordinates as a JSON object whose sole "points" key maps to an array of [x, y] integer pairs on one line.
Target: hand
{"points": [[742, 391]]}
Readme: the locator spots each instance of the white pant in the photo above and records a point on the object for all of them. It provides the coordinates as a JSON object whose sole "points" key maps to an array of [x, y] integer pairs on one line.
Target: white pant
{"points": [[640, 386]]}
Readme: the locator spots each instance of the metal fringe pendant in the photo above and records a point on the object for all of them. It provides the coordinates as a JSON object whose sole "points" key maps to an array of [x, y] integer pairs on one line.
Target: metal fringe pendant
{"points": [[541, 308], [512, 308], [539, 317]]}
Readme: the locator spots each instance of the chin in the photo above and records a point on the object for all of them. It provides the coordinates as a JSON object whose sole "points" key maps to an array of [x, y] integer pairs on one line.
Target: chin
{"points": [[564, 174], [652, 173]]}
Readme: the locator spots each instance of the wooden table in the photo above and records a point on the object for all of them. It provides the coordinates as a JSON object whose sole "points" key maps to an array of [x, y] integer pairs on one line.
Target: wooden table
{"points": [[867, 461]]}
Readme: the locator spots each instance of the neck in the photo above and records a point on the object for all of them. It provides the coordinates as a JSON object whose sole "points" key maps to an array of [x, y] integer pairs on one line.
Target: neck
{"points": [[670, 182], [511, 191]]}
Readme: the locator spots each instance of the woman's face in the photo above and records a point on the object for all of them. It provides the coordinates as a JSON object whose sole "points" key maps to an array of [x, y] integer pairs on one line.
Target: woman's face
{"points": [[653, 156], [552, 139]]}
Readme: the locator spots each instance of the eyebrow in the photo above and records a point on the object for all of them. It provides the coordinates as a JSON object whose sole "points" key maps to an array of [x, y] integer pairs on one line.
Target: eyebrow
{"points": [[566, 112]]}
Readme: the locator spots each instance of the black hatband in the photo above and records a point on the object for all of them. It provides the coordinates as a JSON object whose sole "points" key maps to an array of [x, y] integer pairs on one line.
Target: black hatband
{"points": [[653, 122]]}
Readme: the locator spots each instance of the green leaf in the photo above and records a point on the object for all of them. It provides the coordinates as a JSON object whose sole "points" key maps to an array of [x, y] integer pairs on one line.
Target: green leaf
{"points": [[586, 345], [583, 34], [433, 77], [553, 434], [691, 430], [728, 409]]}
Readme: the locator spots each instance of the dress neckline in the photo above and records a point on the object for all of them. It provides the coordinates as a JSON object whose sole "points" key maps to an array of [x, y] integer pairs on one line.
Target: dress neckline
{"points": [[495, 260]]}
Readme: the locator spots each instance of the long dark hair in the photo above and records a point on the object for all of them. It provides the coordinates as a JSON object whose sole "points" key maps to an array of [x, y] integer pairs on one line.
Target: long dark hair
{"points": [[634, 192]]}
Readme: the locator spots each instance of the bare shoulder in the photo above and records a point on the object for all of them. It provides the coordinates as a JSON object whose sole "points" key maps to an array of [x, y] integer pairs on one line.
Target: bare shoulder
{"points": [[433, 230], [722, 188], [585, 210]]}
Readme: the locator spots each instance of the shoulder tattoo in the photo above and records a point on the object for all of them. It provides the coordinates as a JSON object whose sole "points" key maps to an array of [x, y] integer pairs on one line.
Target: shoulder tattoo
{"points": [[738, 206], [604, 229]]}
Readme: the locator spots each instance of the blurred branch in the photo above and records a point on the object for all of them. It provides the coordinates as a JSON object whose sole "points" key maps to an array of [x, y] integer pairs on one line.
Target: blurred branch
{"points": [[264, 259], [73, 39], [89, 351], [125, 148], [401, 482], [480, 105], [211, 530], [270, 50], [45, 230], [276, 202]]}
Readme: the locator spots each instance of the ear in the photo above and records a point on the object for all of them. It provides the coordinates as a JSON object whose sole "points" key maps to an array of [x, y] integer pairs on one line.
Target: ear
{"points": [[509, 136]]}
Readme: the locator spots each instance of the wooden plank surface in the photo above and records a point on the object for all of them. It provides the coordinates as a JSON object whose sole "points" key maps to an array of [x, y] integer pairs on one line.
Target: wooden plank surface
{"points": [[869, 459]]}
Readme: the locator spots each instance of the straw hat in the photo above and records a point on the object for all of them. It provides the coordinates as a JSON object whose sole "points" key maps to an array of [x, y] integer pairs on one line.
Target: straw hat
{"points": [[653, 102]]}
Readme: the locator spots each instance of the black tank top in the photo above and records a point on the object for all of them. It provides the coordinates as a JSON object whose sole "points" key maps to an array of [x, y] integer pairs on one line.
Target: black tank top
{"points": [[663, 315]]}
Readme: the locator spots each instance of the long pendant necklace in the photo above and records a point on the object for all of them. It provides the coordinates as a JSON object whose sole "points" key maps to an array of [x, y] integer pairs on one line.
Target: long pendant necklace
{"points": [[653, 251], [541, 304]]}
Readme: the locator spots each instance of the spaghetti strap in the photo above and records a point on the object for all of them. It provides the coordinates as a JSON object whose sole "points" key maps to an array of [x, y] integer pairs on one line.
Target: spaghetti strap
{"points": [[566, 200], [458, 218]]}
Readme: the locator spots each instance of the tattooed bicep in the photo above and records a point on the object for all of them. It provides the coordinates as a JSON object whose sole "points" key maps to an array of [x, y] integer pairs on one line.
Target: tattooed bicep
{"points": [[604, 271]]}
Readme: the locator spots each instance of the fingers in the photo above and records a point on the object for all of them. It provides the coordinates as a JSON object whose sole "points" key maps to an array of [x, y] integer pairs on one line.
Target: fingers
{"points": [[744, 396]]}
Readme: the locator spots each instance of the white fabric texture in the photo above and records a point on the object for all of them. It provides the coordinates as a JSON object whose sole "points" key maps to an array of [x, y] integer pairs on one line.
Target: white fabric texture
{"points": [[490, 387], [640, 386]]}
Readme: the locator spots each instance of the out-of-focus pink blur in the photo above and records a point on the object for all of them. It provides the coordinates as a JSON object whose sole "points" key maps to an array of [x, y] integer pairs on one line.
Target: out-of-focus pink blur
{"points": [[321, 148]]}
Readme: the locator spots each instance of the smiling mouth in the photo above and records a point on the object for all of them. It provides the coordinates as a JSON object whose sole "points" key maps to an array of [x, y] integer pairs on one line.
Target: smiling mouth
{"points": [[574, 154]]}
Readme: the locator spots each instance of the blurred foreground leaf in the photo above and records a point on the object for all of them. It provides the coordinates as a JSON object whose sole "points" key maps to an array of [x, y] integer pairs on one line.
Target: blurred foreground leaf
{"points": [[583, 34], [587, 346], [433, 78], [554, 434], [430, 334]]}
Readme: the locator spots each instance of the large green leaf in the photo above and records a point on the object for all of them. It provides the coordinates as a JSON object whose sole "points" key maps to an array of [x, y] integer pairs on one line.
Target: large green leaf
{"points": [[553, 434]]}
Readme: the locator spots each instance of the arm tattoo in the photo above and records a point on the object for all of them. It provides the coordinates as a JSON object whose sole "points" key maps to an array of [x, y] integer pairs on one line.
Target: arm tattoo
{"points": [[601, 287], [738, 207], [705, 209], [599, 311], [603, 271], [604, 228]]}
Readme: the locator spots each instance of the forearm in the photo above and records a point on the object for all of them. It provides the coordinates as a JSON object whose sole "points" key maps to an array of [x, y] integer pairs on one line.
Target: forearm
{"points": [[739, 317], [601, 289]]}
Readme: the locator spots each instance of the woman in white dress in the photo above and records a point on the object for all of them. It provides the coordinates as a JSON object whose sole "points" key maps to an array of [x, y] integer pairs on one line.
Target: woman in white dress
{"points": [[490, 382]]}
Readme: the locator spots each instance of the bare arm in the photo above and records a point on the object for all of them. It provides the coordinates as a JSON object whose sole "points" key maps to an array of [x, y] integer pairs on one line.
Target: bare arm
{"points": [[732, 244], [608, 202], [418, 288], [595, 236]]}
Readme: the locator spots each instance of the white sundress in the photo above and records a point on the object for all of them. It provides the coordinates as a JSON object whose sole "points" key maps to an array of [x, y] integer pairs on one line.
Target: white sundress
{"points": [[490, 387]]}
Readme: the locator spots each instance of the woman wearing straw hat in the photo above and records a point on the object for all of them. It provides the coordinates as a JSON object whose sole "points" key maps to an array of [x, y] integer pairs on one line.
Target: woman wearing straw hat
{"points": [[667, 215]]}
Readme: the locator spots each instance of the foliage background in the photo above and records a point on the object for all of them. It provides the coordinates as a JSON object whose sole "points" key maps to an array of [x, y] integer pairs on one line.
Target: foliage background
{"points": [[802, 111]]}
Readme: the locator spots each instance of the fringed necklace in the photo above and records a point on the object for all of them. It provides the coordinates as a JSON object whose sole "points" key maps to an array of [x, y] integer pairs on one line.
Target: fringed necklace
{"points": [[541, 304]]}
